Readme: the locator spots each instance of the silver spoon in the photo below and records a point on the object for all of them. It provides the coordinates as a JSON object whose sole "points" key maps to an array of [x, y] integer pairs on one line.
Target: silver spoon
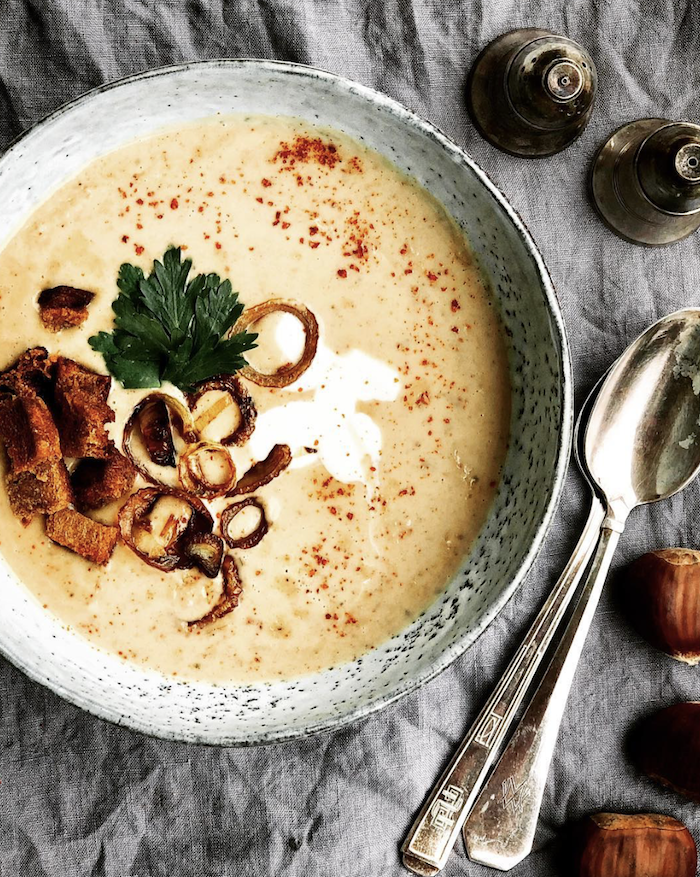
{"points": [[641, 443], [433, 834]]}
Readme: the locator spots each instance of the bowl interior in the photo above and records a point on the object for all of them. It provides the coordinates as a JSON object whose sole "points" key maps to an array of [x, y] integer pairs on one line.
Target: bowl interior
{"points": [[57, 149]]}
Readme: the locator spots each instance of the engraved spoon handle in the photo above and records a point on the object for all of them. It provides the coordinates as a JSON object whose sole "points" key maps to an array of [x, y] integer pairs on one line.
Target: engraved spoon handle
{"points": [[433, 834], [501, 828]]}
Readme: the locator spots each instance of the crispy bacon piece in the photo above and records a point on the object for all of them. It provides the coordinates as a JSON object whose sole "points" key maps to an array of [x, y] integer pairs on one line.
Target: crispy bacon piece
{"points": [[98, 482], [88, 538], [290, 372], [192, 470], [159, 445], [250, 540], [240, 396], [263, 472], [83, 412], [63, 307], [206, 551], [230, 595], [133, 517]]}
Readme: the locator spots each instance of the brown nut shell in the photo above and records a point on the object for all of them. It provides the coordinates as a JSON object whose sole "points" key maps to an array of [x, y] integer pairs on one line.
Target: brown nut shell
{"points": [[637, 845], [666, 746], [662, 595]]}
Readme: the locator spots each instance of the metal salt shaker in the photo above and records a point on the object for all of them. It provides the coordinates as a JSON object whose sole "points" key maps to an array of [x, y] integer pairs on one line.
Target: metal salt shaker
{"points": [[645, 181], [531, 92]]}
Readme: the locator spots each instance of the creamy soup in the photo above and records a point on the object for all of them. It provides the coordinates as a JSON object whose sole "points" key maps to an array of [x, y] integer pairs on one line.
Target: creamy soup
{"points": [[398, 430]]}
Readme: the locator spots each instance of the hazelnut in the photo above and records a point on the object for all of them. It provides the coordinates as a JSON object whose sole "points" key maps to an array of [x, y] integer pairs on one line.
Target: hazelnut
{"points": [[666, 746], [641, 845], [662, 590]]}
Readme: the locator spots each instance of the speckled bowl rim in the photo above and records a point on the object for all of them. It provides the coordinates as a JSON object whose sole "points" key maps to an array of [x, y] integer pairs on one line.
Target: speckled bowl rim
{"points": [[461, 158]]}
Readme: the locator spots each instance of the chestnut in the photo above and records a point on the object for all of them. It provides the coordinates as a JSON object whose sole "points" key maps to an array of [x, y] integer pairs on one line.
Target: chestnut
{"points": [[666, 746], [638, 845], [662, 594]]}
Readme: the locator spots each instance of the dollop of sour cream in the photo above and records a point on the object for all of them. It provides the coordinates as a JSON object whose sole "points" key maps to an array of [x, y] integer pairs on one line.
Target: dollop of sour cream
{"points": [[346, 441]]}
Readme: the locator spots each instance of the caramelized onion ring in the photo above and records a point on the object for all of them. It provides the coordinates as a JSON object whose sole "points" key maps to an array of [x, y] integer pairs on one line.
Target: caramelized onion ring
{"points": [[230, 595], [244, 402], [230, 512], [174, 556], [263, 472], [191, 471], [205, 550], [288, 373], [157, 435], [180, 417]]}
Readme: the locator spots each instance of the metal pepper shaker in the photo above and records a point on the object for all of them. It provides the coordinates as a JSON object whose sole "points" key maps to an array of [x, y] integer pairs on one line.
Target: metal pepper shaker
{"points": [[530, 92], [645, 181]]}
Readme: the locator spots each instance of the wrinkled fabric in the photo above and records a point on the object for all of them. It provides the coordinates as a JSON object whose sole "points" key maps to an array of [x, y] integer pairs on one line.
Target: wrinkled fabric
{"points": [[79, 796]]}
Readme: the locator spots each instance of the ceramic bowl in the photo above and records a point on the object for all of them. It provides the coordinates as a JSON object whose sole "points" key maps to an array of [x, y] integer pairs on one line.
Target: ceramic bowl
{"points": [[57, 148]]}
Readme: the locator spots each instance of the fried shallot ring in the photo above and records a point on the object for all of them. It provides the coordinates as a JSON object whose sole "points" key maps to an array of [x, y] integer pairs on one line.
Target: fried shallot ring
{"points": [[156, 432], [264, 471], [206, 550], [191, 471], [154, 441], [241, 397], [230, 595], [251, 539], [289, 372], [174, 556]]}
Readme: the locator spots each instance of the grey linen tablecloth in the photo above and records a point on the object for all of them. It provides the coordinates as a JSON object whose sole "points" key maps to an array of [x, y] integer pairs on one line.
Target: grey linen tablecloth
{"points": [[79, 796]]}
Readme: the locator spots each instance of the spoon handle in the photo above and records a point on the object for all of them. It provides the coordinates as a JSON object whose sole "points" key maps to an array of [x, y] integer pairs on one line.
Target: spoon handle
{"points": [[501, 828], [432, 836]]}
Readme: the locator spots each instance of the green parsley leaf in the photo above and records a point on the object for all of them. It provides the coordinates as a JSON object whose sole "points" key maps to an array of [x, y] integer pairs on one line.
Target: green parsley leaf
{"points": [[166, 329]]}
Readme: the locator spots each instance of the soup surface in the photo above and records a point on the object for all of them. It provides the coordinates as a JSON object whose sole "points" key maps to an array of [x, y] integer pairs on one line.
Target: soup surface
{"points": [[398, 430]]}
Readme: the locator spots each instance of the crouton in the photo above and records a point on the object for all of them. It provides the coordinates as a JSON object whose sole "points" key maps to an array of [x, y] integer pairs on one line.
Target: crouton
{"points": [[98, 482], [45, 490], [28, 431], [88, 538], [32, 370], [64, 307], [81, 402], [37, 480]]}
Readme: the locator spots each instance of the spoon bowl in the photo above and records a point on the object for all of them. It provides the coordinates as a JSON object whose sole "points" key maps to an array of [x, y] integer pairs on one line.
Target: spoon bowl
{"points": [[641, 441]]}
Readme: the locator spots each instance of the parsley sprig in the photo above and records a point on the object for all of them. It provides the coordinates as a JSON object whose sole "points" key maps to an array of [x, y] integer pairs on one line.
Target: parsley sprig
{"points": [[169, 329]]}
